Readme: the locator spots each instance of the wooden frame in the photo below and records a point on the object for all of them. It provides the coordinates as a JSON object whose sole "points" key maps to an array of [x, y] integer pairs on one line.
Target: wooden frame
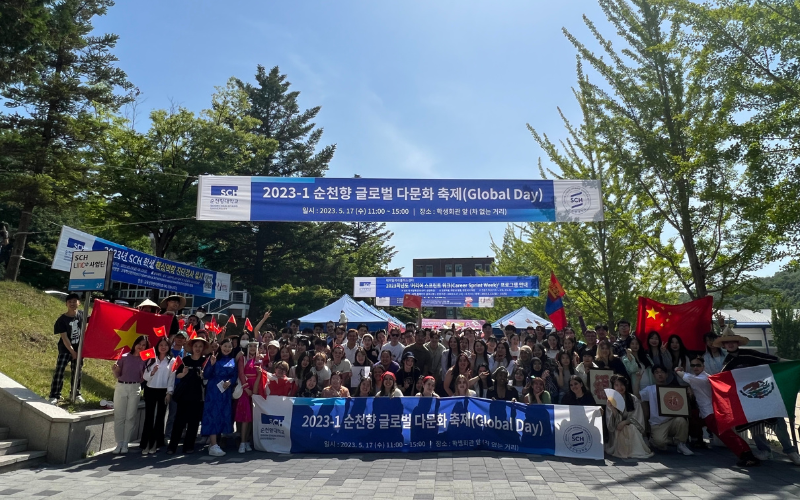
{"points": [[599, 380], [672, 401]]}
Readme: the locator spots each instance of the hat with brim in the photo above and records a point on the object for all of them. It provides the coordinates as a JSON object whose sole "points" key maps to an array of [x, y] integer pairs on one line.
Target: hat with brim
{"points": [[729, 336], [409, 354], [274, 343], [197, 339], [147, 303], [179, 298]]}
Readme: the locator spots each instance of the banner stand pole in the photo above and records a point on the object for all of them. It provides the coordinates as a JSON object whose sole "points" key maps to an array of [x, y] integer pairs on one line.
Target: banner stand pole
{"points": [[794, 431], [77, 375]]}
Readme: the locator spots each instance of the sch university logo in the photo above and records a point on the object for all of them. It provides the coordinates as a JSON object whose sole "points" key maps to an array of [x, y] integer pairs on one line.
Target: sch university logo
{"points": [[578, 439], [229, 191], [576, 201], [224, 198]]}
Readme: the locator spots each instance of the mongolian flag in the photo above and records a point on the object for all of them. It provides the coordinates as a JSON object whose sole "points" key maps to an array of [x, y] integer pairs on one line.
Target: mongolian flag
{"points": [[689, 321], [148, 354], [555, 306], [113, 328], [248, 326]]}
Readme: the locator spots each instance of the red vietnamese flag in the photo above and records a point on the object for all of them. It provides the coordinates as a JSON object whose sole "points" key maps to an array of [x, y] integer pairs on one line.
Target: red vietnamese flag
{"points": [[177, 364], [113, 328], [160, 331], [211, 325], [689, 321], [232, 319], [248, 325], [414, 301], [192, 333], [148, 354], [181, 323]]}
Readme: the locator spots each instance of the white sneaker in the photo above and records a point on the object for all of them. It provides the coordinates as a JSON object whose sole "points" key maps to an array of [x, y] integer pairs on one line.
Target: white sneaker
{"points": [[794, 457], [117, 449], [216, 451], [79, 399], [145, 451], [763, 454], [54, 401], [242, 448], [124, 449], [683, 450], [247, 447]]}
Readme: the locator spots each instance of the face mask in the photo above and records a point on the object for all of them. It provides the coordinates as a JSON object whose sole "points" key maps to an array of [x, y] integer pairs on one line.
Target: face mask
{"points": [[199, 314], [244, 343]]}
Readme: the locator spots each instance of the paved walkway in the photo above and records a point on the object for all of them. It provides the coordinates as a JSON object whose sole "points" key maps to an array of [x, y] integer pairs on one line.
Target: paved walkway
{"points": [[428, 476]]}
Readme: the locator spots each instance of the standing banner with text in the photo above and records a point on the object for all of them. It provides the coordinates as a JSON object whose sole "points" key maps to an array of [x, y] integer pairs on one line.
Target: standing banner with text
{"points": [[138, 268], [306, 199], [415, 424], [466, 301], [448, 288]]}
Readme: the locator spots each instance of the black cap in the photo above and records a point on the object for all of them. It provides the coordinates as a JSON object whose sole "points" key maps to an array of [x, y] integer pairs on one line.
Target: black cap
{"points": [[72, 296]]}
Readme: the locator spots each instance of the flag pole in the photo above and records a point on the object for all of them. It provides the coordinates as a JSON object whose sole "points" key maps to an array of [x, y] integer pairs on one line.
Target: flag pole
{"points": [[77, 375]]}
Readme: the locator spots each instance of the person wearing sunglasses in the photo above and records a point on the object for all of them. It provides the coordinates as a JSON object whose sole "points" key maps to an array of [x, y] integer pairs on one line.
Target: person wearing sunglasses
{"points": [[701, 387], [394, 346]]}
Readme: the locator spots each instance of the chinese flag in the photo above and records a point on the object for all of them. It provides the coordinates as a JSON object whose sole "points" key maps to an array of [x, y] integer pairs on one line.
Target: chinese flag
{"points": [[148, 354], [689, 321], [248, 325], [113, 328], [232, 319], [177, 364], [414, 301], [160, 331], [554, 307]]}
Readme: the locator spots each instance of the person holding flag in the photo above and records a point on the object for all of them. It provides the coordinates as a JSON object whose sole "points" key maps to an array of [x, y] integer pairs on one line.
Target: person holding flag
{"points": [[129, 372], [188, 397], [160, 380], [745, 358]]}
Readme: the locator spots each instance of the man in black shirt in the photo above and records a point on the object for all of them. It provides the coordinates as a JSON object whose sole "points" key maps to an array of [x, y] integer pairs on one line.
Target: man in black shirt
{"points": [[68, 328]]}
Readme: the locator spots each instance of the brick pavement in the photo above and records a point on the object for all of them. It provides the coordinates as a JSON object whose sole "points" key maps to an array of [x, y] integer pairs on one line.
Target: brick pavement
{"points": [[422, 476]]}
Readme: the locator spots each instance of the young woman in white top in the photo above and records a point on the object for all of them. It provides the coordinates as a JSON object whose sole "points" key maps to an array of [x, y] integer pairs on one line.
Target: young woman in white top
{"points": [[501, 358], [160, 380], [462, 387], [339, 363], [428, 387], [389, 387]]}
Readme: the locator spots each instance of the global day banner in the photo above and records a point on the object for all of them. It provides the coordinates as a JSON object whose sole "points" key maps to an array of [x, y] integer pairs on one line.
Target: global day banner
{"points": [[417, 424]]}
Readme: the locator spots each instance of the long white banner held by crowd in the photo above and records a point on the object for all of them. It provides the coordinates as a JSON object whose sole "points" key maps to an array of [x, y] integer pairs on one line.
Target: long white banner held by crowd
{"points": [[414, 424], [397, 200]]}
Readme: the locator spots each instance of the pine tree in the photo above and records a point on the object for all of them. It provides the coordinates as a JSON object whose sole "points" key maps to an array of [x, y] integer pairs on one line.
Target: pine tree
{"points": [[44, 144]]}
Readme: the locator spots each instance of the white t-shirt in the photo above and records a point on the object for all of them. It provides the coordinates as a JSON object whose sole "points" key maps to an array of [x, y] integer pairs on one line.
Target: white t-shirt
{"points": [[396, 350], [702, 392], [322, 375], [350, 354], [344, 366], [494, 365], [650, 395]]}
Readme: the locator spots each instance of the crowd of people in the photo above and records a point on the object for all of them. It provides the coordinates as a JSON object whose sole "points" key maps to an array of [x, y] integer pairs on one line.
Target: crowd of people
{"points": [[207, 382]]}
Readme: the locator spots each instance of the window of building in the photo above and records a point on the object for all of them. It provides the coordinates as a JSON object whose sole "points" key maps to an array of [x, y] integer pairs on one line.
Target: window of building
{"points": [[459, 270], [429, 270], [418, 270], [448, 270], [478, 269], [451, 312], [755, 343]]}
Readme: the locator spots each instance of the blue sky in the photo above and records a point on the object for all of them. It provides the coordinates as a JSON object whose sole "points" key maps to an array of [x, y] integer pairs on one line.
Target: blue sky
{"points": [[408, 89]]}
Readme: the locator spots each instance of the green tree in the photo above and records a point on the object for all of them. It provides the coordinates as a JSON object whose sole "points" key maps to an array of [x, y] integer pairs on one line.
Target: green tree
{"points": [[44, 142], [751, 47], [23, 30], [786, 329], [669, 129], [288, 302], [149, 180]]}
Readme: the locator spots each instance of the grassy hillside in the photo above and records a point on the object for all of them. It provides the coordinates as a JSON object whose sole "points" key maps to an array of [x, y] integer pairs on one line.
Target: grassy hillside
{"points": [[28, 347]]}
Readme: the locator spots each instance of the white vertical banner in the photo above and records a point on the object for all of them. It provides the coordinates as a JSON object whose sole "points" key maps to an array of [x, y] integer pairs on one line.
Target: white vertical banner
{"points": [[578, 431], [272, 424]]}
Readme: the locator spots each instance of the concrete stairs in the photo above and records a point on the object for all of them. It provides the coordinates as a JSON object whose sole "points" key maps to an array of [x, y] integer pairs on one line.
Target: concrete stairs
{"points": [[14, 453]]}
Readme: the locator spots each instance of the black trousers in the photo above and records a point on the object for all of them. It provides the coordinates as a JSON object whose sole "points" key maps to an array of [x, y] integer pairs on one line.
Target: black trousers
{"points": [[155, 409], [188, 415]]}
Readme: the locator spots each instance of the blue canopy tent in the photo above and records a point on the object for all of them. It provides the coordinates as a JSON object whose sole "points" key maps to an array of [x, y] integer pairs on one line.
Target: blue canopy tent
{"points": [[522, 318], [356, 315], [382, 314]]}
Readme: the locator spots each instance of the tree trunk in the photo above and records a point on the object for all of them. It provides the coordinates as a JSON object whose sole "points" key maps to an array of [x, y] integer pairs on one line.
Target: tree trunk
{"points": [[20, 239]]}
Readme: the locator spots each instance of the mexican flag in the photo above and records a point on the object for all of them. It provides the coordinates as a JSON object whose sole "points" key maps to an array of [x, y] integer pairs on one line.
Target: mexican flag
{"points": [[756, 393]]}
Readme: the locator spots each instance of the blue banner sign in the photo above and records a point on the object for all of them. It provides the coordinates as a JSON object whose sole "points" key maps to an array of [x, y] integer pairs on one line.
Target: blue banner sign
{"points": [[137, 268], [443, 288], [467, 301], [397, 200], [416, 424]]}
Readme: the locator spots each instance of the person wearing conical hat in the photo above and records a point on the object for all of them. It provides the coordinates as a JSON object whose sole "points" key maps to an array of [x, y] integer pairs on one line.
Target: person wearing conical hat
{"points": [[743, 358], [149, 306]]}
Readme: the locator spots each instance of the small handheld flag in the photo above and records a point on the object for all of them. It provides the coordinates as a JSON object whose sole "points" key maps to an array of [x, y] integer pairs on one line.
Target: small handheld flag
{"points": [[190, 329], [148, 354], [160, 331], [248, 325], [181, 322], [177, 364], [232, 319], [414, 301]]}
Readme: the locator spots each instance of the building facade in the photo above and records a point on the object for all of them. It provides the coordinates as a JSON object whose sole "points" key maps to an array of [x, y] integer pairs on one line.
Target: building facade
{"points": [[451, 267]]}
